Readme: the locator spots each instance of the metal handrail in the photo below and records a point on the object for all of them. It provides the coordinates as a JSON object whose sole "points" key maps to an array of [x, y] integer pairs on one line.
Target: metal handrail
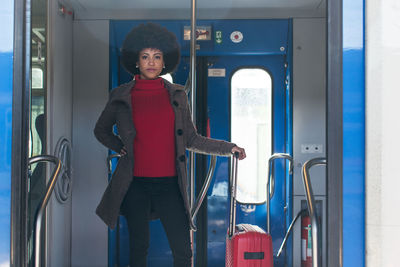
{"points": [[202, 193], [109, 163], [192, 79], [311, 207], [271, 181], [45, 200], [232, 212], [204, 189], [289, 230]]}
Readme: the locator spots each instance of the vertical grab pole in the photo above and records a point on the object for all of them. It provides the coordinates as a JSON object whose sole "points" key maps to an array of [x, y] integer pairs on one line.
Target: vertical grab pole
{"points": [[315, 230], [192, 78]]}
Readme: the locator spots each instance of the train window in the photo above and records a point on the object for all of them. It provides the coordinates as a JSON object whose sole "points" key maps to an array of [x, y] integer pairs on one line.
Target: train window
{"points": [[251, 110]]}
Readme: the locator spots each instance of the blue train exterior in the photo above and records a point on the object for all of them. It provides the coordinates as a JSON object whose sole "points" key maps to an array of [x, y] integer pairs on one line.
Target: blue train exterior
{"points": [[6, 89]]}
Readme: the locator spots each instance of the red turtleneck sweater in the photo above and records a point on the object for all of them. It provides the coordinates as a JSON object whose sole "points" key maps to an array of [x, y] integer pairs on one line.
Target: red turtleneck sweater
{"points": [[154, 120]]}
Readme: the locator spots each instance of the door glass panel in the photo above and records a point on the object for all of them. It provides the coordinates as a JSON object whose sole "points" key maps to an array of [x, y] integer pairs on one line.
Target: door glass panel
{"points": [[251, 110], [37, 122]]}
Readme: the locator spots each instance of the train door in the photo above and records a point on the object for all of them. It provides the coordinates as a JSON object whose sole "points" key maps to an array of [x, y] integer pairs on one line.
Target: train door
{"points": [[38, 118], [242, 96], [246, 104], [18, 216]]}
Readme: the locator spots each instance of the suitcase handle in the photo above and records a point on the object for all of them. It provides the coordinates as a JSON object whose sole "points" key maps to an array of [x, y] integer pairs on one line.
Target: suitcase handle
{"points": [[233, 179]]}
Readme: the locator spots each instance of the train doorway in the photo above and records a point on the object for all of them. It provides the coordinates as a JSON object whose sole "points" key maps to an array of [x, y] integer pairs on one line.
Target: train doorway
{"points": [[211, 59], [239, 88]]}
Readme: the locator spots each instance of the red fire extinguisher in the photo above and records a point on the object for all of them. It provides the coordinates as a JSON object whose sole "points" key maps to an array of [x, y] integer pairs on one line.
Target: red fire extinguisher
{"points": [[208, 133], [306, 247]]}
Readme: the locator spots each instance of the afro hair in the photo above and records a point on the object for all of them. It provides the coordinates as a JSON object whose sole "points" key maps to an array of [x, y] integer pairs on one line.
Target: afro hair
{"points": [[150, 35]]}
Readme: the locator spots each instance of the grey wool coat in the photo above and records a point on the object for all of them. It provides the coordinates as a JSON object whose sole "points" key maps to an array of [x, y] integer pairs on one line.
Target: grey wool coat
{"points": [[118, 111]]}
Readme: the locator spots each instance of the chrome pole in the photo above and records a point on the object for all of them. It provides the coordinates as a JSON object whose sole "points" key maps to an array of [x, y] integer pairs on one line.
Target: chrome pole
{"points": [[109, 162], [271, 182], [192, 77], [315, 231], [289, 230], [45, 200], [205, 187], [192, 92]]}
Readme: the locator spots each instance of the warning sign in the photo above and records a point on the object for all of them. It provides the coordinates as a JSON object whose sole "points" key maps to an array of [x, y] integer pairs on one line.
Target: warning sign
{"points": [[216, 72]]}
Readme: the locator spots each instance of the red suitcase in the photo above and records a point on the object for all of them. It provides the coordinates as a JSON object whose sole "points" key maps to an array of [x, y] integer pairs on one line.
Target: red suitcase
{"points": [[249, 246], [246, 245]]}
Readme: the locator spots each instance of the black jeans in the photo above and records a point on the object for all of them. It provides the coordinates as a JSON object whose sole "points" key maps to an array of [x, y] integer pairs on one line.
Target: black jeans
{"points": [[163, 196]]}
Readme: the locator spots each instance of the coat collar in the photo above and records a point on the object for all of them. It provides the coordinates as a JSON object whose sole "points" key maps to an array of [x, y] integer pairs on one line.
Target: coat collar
{"points": [[123, 92]]}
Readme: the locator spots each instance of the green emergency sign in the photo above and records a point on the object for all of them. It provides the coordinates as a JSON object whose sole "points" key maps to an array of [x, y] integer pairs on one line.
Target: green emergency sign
{"points": [[218, 37]]}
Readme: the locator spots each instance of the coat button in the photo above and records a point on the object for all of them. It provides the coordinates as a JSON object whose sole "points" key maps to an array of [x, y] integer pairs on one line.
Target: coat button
{"points": [[182, 158], [179, 131], [175, 103]]}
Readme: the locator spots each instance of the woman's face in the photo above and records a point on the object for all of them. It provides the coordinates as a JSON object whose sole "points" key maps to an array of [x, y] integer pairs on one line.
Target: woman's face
{"points": [[151, 63]]}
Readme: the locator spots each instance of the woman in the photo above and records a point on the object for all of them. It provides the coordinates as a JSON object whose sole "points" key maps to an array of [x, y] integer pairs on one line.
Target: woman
{"points": [[155, 129]]}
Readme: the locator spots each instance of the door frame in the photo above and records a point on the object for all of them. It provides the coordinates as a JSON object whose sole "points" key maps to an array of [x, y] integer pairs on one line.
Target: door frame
{"points": [[20, 126], [334, 133], [20, 113]]}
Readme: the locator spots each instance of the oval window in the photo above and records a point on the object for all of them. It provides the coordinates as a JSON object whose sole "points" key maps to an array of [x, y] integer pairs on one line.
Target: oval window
{"points": [[251, 128]]}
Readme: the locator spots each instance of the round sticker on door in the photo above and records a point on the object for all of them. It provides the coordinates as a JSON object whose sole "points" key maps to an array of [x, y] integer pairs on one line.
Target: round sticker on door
{"points": [[236, 36]]}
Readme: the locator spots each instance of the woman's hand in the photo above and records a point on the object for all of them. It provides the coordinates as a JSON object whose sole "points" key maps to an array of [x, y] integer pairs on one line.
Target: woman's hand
{"points": [[123, 151], [242, 153]]}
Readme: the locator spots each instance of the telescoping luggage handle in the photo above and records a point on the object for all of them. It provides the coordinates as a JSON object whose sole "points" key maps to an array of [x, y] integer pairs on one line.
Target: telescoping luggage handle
{"points": [[232, 213]]}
